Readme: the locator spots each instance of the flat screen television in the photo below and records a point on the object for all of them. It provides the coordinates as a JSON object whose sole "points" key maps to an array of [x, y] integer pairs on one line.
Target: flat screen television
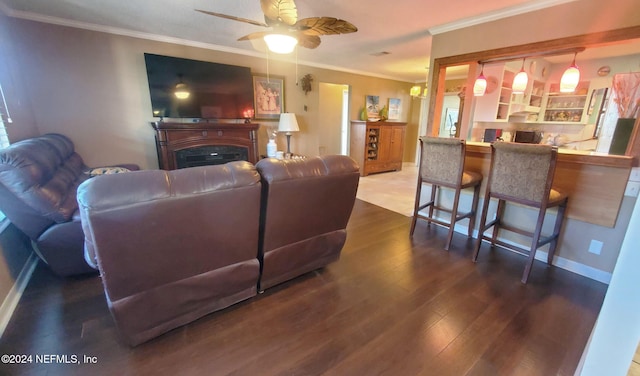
{"points": [[216, 91]]}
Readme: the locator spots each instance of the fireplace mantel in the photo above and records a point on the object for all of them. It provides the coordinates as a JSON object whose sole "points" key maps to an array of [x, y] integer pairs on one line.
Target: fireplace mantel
{"points": [[172, 138]]}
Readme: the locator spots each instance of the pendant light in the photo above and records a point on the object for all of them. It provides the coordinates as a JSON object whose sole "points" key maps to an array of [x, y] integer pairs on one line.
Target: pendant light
{"points": [[520, 81], [480, 86], [570, 78], [418, 91]]}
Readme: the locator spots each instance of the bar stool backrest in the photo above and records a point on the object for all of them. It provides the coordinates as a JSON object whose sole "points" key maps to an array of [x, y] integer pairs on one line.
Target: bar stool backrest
{"points": [[523, 172], [442, 160]]}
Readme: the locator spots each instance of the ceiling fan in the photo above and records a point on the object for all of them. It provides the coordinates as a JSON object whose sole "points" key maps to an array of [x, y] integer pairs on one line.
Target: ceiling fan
{"points": [[282, 17]]}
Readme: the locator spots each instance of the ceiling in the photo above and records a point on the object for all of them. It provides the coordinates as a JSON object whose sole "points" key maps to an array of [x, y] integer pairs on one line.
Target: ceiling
{"points": [[401, 28]]}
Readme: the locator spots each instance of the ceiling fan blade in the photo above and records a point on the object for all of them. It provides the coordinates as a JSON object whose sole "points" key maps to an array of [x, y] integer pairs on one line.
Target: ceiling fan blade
{"points": [[234, 18], [256, 35], [308, 41], [280, 11], [325, 26]]}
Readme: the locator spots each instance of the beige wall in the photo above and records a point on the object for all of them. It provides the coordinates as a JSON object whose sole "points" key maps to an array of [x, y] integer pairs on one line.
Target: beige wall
{"points": [[574, 18], [92, 86], [11, 78]]}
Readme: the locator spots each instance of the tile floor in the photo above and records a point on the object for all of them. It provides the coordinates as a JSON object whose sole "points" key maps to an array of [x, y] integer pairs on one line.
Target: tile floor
{"points": [[394, 190]]}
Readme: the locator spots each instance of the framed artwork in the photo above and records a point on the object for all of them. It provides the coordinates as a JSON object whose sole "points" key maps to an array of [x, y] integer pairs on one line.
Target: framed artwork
{"points": [[373, 106], [268, 96], [395, 108]]}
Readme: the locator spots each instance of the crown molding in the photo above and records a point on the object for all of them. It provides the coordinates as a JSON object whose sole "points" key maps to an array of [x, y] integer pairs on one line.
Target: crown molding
{"points": [[30, 16], [499, 14]]}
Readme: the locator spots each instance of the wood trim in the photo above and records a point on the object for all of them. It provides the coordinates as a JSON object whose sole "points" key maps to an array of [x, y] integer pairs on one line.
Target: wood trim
{"points": [[595, 187], [584, 40]]}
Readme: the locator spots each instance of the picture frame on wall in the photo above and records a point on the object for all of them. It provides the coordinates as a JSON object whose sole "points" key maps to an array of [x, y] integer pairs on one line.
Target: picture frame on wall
{"points": [[372, 104], [268, 96], [395, 108]]}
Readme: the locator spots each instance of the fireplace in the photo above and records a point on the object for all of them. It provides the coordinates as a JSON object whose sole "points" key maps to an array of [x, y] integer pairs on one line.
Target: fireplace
{"points": [[182, 145]]}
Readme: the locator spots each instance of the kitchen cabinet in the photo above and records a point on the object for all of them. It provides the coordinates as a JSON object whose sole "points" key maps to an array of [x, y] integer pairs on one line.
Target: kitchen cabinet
{"points": [[377, 146], [529, 103], [567, 107], [493, 106]]}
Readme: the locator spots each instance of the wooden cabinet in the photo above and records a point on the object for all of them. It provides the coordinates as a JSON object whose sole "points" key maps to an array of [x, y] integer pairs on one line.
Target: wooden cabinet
{"points": [[377, 146]]}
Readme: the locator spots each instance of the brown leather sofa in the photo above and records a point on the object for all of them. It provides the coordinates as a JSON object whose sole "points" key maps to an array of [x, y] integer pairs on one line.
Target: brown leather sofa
{"points": [[173, 246], [38, 182], [305, 209]]}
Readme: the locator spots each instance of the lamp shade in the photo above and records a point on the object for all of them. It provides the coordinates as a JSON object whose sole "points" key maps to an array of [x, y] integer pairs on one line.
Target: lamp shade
{"points": [[280, 43], [520, 82], [415, 91], [480, 86], [288, 123], [570, 79]]}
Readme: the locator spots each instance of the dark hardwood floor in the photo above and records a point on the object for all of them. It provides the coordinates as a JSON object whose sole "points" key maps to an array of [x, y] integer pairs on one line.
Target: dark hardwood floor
{"points": [[391, 305]]}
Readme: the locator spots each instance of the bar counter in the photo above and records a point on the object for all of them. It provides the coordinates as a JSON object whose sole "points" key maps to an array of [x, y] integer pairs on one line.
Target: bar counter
{"points": [[595, 182]]}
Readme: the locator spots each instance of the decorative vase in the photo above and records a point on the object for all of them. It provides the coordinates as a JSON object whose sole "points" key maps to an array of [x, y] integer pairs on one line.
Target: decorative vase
{"points": [[272, 147], [363, 114], [621, 136]]}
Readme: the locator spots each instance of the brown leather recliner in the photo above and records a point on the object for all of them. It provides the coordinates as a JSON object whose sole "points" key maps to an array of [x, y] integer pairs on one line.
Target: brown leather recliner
{"points": [[38, 181], [173, 246], [305, 209]]}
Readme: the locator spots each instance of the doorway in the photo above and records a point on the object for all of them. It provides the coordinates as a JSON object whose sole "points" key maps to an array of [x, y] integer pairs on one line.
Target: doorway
{"points": [[333, 108]]}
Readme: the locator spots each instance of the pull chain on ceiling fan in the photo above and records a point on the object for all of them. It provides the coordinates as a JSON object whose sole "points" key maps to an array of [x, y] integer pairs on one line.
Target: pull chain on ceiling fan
{"points": [[287, 31]]}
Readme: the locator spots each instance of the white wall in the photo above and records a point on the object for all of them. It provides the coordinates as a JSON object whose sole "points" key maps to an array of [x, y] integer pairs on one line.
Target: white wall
{"points": [[617, 331]]}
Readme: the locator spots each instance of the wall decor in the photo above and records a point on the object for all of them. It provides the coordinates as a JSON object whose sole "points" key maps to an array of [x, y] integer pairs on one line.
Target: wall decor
{"points": [[268, 96], [306, 80], [395, 108], [372, 104]]}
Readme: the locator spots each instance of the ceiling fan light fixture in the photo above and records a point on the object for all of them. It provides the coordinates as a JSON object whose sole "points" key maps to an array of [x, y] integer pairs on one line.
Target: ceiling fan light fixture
{"points": [[181, 91], [280, 43]]}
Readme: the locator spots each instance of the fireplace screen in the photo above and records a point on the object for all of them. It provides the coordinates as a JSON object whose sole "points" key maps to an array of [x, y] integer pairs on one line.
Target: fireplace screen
{"points": [[210, 155]]}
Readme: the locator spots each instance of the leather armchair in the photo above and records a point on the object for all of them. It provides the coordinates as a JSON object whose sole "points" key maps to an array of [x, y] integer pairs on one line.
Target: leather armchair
{"points": [[305, 209], [173, 246], [38, 182]]}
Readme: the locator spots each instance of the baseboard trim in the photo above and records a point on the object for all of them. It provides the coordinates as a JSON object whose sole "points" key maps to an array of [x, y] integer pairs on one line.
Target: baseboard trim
{"points": [[560, 262], [11, 301]]}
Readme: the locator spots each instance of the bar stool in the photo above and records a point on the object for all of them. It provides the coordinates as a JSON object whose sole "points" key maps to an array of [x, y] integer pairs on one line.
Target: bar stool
{"points": [[442, 165], [522, 173]]}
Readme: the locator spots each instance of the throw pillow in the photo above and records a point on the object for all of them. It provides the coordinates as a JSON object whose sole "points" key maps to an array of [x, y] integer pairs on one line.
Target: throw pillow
{"points": [[106, 171]]}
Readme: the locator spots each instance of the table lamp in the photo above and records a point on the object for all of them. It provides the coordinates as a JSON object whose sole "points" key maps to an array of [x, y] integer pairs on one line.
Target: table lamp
{"points": [[288, 124]]}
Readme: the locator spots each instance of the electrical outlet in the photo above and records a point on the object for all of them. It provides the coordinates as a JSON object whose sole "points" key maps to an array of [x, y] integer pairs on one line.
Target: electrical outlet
{"points": [[595, 247], [633, 187]]}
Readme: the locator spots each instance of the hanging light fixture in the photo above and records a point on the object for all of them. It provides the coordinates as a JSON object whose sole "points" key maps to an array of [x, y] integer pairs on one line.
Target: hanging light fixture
{"points": [[415, 90], [418, 91], [181, 90], [480, 86], [520, 81], [570, 77], [280, 43]]}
